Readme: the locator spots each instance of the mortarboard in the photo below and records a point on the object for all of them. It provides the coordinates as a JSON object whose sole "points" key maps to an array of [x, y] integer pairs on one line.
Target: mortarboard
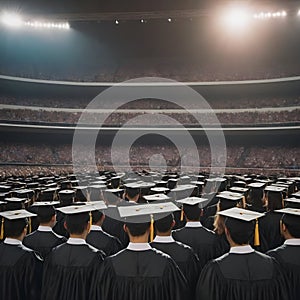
{"points": [[297, 195], [229, 199], [256, 185], [14, 215], [239, 189], [159, 190], [192, 201], [292, 202], [243, 215], [156, 197]]}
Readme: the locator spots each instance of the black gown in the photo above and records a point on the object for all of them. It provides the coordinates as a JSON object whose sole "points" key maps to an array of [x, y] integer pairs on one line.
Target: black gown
{"points": [[114, 226], [269, 229], [289, 257], [186, 260], [43, 241], [140, 275], [202, 241], [20, 273], [103, 241], [69, 271], [252, 276], [59, 227]]}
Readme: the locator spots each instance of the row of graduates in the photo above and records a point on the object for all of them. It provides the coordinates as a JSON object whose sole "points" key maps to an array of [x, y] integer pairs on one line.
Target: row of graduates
{"points": [[91, 264]]}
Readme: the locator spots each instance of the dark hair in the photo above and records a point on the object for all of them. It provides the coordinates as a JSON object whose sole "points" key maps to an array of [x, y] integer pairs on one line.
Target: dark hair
{"points": [[241, 232], [96, 216], [14, 228], [274, 201], [77, 223], [192, 212], [132, 192], [137, 229], [164, 224], [45, 214], [256, 198], [292, 224]]}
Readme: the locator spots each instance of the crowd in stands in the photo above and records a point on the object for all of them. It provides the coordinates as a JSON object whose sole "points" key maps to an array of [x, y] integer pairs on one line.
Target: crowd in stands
{"points": [[221, 103], [248, 157], [180, 71], [120, 118]]}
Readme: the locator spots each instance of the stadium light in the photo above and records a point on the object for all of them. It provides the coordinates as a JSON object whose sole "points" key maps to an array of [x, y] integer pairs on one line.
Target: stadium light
{"points": [[11, 19], [117, 22], [269, 15], [169, 20], [236, 18], [298, 12], [37, 24]]}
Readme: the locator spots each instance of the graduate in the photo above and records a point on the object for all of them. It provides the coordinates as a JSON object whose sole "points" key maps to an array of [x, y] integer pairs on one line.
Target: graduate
{"points": [[202, 240], [288, 254], [270, 224], [20, 267], [242, 273], [183, 255], [43, 240], [70, 268], [139, 271], [99, 238]]}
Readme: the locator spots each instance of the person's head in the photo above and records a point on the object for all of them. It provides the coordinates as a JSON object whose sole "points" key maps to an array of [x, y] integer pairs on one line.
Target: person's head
{"points": [[192, 212], [240, 232], [290, 226], [132, 194], [78, 224], [97, 217], [15, 228], [137, 229], [165, 224], [256, 197], [46, 215], [274, 201]]}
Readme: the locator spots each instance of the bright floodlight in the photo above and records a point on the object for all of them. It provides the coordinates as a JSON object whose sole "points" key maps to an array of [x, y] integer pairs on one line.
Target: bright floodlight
{"points": [[237, 18], [11, 19]]}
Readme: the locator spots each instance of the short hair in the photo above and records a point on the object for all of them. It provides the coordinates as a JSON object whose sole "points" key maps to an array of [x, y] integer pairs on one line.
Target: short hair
{"points": [[132, 192], [14, 228], [292, 224], [164, 224], [241, 232], [192, 212], [96, 216], [137, 229], [256, 198], [45, 214], [77, 223], [274, 201]]}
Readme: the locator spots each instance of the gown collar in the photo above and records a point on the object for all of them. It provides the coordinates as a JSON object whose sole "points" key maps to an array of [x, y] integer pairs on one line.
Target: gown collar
{"points": [[11, 241], [241, 249], [163, 239], [292, 242], [138, 246], [76, 241], [193, 224], [44, 228], [96, 228]]}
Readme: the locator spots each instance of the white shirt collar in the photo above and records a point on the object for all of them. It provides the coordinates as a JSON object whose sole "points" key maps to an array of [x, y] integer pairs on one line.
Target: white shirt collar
{"points": [[138, 246], [11, 241], [292, 242], [44, 228], [193, 224], [76, 241], [241, 249], [96, 228], [163, 239]]}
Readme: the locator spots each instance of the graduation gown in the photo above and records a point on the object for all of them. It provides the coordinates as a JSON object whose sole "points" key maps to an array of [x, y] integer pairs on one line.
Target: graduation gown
{"points": [[59, 227], [252, 276], [43, 241], [69, 270], [114, 226], [140, 275], [269, 229], [103, 241], [185, 258], [288, 256], [202, 241], [20, 273]]}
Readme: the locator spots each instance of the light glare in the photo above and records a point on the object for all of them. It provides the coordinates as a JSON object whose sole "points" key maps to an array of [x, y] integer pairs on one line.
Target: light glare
{"points": [[11, 19]]}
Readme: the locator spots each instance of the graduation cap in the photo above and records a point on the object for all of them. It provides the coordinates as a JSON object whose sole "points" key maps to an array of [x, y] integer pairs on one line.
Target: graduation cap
{"points": [[66, 196], [112, 196], [14, 215], [48, 194], [15, 203], [159, 190], [229, 199], [2, 205], [24, 193], [239, 189], [5, 188], [44, 209], [81, 193], [182, 191], [241, 216], [275, 189], [144, 213], [156, 197], [291, 218], [296, 195], [132, 189], [97, 205], [192, 201], [257, 185], [292, 202]]}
